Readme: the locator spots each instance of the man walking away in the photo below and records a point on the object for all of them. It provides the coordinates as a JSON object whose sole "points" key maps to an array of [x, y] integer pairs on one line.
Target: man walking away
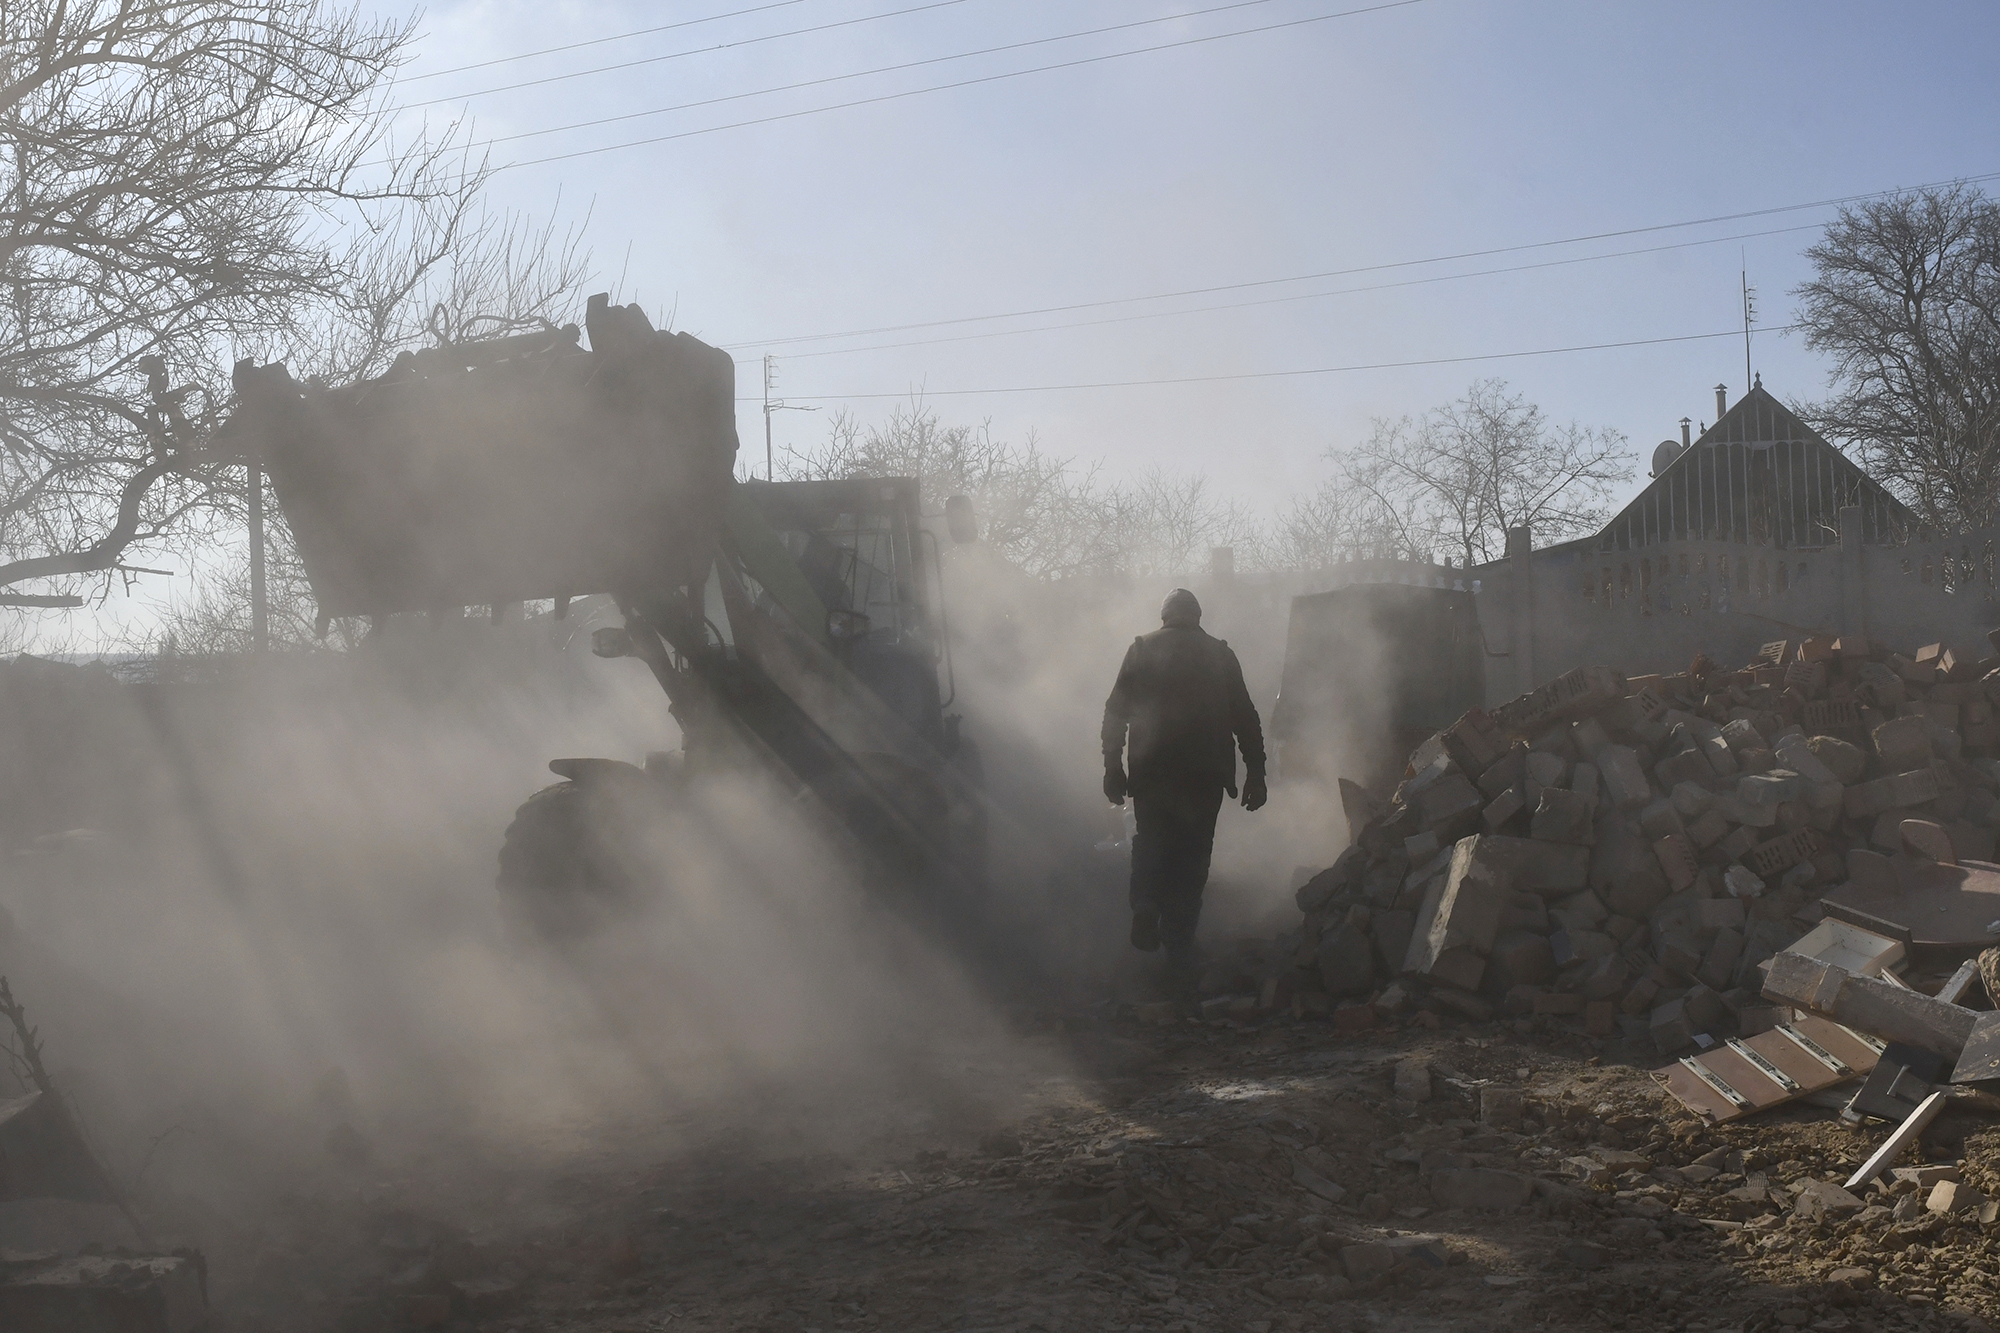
{"points": [[1179, 710]]}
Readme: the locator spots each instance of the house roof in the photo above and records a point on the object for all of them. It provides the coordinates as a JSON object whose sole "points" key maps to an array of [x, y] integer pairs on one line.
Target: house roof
{"points": [[1758, 475]]}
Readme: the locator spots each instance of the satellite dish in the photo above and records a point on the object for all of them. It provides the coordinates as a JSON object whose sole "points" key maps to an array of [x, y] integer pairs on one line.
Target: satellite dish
{"points": [[1666, 453]]}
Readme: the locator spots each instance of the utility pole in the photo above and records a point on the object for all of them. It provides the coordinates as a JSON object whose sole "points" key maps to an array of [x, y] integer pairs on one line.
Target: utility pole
{"points": [[770, 378], [259, 620], [1749, 315]]}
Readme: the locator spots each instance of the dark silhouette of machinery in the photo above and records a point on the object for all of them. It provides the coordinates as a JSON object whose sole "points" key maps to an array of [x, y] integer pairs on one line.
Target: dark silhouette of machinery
{"points": [[796, 627]]}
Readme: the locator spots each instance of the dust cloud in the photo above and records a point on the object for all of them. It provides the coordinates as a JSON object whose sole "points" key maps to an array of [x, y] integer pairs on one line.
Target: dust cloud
{"points": [[278, 952], [255, 911], [1035, 661]]}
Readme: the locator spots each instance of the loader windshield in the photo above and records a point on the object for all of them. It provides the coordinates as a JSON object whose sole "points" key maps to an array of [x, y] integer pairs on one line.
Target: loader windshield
{"points": [[860, 548], [854, 567], [847, 560]]}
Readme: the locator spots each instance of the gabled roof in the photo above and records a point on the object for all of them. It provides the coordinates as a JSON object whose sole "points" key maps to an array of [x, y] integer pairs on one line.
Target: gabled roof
{"points": [[1758, 475]]}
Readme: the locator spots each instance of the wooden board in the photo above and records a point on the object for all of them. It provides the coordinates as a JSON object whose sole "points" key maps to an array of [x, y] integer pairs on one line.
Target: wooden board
{"points": [[1946, 910], [1745, 1075]]}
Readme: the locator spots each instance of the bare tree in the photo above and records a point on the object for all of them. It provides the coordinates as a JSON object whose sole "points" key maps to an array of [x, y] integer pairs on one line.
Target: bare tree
{"points": [[1166, 524], [211, 612], [1027, 499], [1905, 298], [1336, 521], [183, 182], [1454, 480], [1051, 517]]}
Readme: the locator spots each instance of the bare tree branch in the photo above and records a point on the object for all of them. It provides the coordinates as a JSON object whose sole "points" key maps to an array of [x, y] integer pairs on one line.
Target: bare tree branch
{"points": [[1052, 517], [1905, 298], [1454, 480], [103, 553], [187, 182]]}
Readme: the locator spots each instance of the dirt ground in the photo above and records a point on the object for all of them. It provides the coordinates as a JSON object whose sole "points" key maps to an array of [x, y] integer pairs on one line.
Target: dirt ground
{"points": [[1149, 1176]]}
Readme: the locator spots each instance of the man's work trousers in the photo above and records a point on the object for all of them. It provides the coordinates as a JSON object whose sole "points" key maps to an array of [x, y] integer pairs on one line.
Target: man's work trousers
{"points": [[1170, 851]]}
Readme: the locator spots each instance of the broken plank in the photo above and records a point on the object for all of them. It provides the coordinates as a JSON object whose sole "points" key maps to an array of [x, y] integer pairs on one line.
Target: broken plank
{"points": [[1906, 1134], [1869, 1005], [1953, 991]]}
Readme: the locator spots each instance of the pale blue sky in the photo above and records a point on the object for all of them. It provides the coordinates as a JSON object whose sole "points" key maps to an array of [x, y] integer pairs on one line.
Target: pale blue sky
{"points": [[1427, 129], [1431, 129]]}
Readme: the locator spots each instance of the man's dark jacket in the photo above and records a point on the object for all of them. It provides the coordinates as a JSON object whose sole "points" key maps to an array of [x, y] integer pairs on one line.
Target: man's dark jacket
{"points": [[1181, 694]]}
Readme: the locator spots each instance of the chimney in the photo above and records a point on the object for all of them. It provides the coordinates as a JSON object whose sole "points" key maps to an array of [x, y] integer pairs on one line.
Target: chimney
{"points": [[1687, 440], [1721, 401]]}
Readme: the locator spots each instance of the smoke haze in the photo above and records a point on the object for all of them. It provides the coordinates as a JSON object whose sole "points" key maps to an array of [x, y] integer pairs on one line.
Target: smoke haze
{"points": [[268, 956]]}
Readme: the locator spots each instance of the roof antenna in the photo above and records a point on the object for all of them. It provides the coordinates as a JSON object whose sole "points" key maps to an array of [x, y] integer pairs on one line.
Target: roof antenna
{"points": [[1749, 317]]}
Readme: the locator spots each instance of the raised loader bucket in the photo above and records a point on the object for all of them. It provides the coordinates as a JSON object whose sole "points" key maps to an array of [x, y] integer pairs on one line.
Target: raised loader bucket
{"points": [[503, 471]]}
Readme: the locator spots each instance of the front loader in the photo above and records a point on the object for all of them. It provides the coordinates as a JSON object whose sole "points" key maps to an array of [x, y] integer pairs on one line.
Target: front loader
{"points": [[797, 628]]}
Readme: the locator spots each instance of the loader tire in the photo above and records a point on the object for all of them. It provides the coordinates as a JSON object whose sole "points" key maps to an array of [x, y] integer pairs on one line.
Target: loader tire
{"points": [[571, 859]]}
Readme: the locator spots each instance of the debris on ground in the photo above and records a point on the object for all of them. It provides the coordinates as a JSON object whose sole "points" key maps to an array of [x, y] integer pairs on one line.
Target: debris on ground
{"points": [[106, 1292], [1780, 879], [44, 1156], [1431, 1105], [1627, 856]]}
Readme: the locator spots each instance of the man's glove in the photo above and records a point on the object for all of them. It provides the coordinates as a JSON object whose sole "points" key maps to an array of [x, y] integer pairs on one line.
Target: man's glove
{"points": [[1254, 794], [1114, 782]]}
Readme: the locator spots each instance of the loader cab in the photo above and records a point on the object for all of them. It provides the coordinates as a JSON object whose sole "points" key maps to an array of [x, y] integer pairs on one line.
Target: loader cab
{"points": [[873, 572]]}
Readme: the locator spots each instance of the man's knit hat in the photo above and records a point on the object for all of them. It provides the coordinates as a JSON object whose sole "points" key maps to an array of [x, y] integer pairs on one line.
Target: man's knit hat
{"points": [[1180, 610]]}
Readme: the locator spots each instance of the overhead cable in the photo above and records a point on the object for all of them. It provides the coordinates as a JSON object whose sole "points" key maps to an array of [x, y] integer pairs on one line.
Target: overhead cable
{"points": [[857, 74], [1284, 374], [700, 51], [1297, 296], [597, 41], [918, 92], [1368, 268]]}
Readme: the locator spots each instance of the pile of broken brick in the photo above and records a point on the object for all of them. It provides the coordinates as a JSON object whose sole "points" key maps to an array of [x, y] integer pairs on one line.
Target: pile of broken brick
{"points": [[1624, 854]]}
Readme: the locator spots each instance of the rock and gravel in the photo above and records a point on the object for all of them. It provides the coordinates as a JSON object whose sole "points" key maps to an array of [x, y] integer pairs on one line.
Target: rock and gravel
{"points": [[1177, 1177]]}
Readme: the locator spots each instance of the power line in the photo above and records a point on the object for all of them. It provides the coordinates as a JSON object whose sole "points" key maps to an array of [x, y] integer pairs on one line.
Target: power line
{"points": [[600, 41], [843, 78], [1288, 374], [1363, 268], [938, 88], [1301, 296], [698, 51]]}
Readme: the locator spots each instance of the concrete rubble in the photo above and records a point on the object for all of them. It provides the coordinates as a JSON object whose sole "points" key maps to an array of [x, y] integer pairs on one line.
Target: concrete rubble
{"points": [[1640, 849]]}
